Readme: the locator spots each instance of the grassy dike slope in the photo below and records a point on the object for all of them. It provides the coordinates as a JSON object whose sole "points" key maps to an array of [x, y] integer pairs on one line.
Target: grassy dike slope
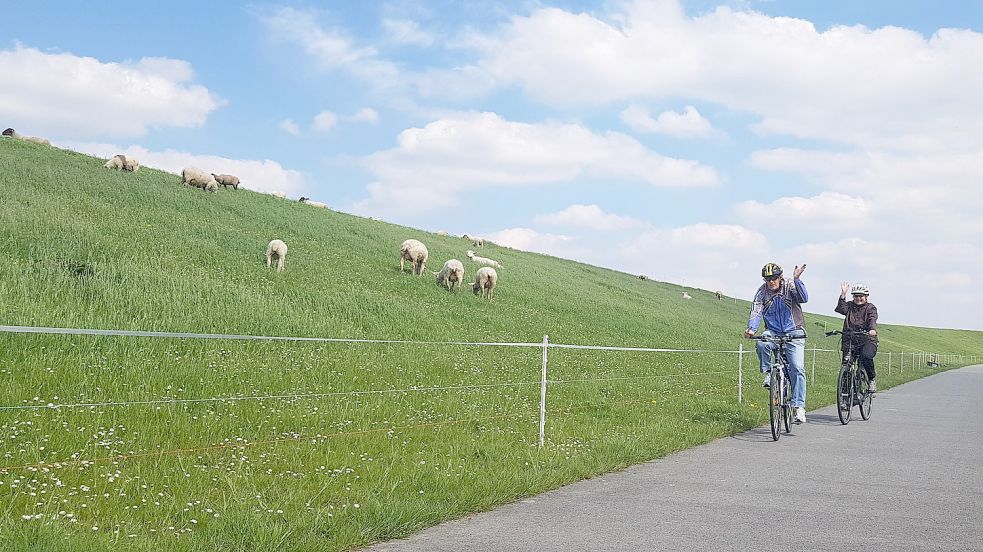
{"points": [[236, 445]]}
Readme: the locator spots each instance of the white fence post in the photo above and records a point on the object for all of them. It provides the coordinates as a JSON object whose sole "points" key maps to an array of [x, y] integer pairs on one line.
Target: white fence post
{"points": [[889, 363], [901, 363], [542, 394], [740, 374]]}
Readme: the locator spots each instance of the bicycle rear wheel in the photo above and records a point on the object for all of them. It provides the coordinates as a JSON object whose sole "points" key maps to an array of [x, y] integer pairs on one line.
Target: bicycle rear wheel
{"points": [[775, 404], [865, 399], [844, 395]]}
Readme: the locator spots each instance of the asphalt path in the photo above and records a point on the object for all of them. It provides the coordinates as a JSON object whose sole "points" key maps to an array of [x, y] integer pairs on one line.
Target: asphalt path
{"points": [[910, 478]]}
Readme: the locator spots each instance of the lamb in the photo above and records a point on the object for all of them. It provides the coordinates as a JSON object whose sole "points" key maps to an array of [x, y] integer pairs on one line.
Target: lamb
{"points": [[123, 163], [276, 250], [485, 282], [308, 201], [483, 260], [13, 134], [198, 178], [415, 252], [452, 273], [227, 180]]}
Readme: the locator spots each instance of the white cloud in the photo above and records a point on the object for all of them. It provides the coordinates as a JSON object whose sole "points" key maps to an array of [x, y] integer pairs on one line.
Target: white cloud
{"points": [[453, 154], [828, 209], [364, 115], [915, 95], [290, 127], [406, 31], [528, 239], [64, 96], [332, 48], [688, 124], [590, 217], [325, 121], [258, 175]]}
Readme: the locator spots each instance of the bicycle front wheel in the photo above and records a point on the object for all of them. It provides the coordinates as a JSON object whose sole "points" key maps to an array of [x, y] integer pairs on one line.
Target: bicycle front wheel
{"points": [[775, 404], [844, 395], [787, 404], [865, 399]]}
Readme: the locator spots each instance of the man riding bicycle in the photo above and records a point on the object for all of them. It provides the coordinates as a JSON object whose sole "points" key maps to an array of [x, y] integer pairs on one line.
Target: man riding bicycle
{"points": [[860, 317], [778, 302]]}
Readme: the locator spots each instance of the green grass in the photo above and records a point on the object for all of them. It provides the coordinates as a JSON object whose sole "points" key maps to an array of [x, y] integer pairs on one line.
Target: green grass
{"points": [[92, 248]]}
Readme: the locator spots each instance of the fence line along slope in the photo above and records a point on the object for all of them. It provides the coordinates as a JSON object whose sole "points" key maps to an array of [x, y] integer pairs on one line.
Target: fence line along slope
{"points": [[183, 444]]}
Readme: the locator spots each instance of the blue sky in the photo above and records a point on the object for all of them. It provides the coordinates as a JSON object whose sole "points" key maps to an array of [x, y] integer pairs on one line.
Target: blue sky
{"points": [[690, 141]]}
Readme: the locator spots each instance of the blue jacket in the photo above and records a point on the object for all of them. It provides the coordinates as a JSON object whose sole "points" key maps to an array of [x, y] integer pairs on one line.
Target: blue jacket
{"points": [[781, 310]]}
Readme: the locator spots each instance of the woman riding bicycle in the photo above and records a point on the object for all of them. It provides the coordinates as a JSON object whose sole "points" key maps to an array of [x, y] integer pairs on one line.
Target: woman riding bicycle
{"points": [[778, 303], [861, 318]]}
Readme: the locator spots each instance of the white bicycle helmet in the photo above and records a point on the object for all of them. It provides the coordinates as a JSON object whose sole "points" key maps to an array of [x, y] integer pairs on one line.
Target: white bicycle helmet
{"points": [[859, 289]]}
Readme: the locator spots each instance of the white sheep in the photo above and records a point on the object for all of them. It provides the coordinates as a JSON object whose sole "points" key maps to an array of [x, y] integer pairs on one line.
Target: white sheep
{"points": [[441, 232], [479, 242], [485, 281], [123, 163], [687, 296], [198, 178], [415, 252], [227, 180], [13, 134], [308, 201], [279, 194], [482, 260], [451, 274], [276, 250]]}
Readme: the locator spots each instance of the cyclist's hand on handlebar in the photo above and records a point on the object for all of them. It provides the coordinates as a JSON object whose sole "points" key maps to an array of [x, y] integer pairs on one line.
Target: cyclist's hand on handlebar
{"points": [[749, 333], [798, 271], [872, 333]]}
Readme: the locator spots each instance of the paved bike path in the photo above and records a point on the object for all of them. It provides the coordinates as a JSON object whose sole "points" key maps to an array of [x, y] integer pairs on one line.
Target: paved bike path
{"points": [[910, 478]]}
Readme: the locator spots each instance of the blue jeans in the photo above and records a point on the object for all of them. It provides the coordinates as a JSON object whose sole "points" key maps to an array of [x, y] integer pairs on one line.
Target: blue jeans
{"points": [[795, 355]]}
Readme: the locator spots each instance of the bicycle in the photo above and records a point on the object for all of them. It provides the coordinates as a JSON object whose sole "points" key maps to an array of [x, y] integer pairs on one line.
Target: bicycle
{"points": [[853, 384], [779, 389]]}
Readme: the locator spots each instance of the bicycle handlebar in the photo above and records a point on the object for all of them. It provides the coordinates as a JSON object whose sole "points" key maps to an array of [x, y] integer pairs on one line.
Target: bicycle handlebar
{"points": [[777, 338], [850, 333]]}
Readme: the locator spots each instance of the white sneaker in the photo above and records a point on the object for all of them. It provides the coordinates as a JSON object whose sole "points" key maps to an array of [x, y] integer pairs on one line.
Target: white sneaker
{"points": [[767, 382], [800, 416], [873, 387]]}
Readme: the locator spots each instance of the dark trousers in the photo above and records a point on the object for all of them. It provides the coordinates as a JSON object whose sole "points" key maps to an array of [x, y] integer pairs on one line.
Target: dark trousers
{"points": [[866, 354]]}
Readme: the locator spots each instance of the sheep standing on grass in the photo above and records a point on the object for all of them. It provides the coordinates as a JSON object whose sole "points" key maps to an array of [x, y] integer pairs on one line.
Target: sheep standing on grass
{"points": [[276, 250], [198, 178], [308, 201], [123, 163], [687, 296], [416, 253], [485, 282], [479, 242], [227, 180], [451, 274], [483, 260]]}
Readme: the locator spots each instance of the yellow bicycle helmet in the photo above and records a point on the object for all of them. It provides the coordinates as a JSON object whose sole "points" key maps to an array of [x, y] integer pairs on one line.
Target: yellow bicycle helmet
{"points": [[771, 270]]}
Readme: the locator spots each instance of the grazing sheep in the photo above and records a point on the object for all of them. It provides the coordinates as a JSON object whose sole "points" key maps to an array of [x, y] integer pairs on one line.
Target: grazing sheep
{"points": [[452, 273], [308, 201], [415, 252], [280, 195], [123, 163], [276, 250], [686, 295], [13, 134], [719, 295], [227, 180], [483, 260], [642, 277], [479, 242], [198, 178], [485, 282], [441, 232]]}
